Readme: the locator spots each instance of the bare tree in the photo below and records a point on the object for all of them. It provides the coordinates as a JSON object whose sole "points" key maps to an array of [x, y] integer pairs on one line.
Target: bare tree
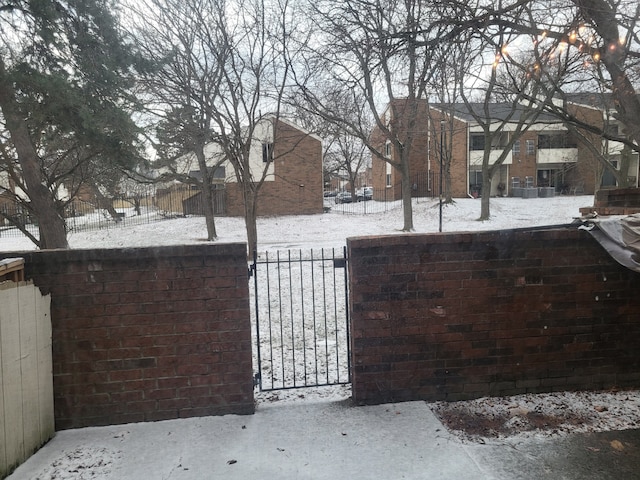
{"points": [[604, 34], [374, 56], [181, 39], [352, 155], [616, 26], [343, 153], [453, 62], [226, 76], [519, 83], [599, 41], [522, 98]]}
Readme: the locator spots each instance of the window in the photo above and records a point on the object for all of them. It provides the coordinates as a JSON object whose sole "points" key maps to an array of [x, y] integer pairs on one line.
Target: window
{"points": [[555, 141], [477, 142], [531, 147], [215, 173], [516, 147], [546, 178], [219, 173], [267, 152], [388, 179], [387, 150], [608, 178], [612, 129]]}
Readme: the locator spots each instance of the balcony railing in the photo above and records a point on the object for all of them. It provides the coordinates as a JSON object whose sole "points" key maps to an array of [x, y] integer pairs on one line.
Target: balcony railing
{"points": [[557, 155], [475, 157]]}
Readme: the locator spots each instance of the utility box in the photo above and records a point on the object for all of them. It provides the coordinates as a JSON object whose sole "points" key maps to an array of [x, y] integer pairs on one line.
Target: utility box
{"points": [[546, 192]]}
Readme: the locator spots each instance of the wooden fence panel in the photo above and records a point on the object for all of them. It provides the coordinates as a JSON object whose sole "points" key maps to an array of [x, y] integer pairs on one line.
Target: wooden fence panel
{"points": [[26, 373]]}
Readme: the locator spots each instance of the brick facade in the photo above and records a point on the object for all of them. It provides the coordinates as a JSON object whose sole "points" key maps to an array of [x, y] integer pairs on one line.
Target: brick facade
{"points": [[418, 154], [459, 146], [425, 154], [460, 316], [147, 334], [298, 186]]}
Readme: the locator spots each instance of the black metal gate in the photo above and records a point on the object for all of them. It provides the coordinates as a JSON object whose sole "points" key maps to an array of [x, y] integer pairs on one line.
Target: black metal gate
{"points": [[300, 318]]}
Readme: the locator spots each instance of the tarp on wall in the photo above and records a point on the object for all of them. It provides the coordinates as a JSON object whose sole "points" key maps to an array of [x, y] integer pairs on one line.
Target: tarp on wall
{"points": [[620, 236]]}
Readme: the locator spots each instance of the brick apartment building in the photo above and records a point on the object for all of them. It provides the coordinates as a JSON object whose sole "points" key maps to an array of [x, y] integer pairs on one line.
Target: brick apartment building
{"points": [[293, 183], [546, 155]]}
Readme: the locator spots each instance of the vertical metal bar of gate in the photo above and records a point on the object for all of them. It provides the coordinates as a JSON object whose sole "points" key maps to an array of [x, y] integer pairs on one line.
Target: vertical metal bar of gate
{"points": [[298, 319], [315, 323], [257, 379], [346, 310]]}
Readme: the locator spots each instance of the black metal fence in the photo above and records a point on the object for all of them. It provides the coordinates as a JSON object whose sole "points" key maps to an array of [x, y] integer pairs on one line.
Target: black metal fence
{"points": [[124, 210], [155, 205], [301, 324], [423, 186]]}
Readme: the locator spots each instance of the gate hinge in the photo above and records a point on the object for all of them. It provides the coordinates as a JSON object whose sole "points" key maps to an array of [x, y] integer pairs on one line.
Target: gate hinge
{"points": [[256, 379]]}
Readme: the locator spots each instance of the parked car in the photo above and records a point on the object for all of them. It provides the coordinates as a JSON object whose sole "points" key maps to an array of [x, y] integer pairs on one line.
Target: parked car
{"points": [[364, 194], [344, 197], [330, 193]]}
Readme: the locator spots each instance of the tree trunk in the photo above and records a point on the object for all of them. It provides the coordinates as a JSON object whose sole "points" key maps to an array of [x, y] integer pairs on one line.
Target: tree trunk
{"points": [[407, 207], [447, 164], [106, 203], [51, 224], [485, 198], [485, 195], [207, 194], [251, 218], [447, 183]]}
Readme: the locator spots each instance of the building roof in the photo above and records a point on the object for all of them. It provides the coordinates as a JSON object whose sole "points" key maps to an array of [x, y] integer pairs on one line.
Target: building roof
{"points": [[600, 101], [498, 111]]}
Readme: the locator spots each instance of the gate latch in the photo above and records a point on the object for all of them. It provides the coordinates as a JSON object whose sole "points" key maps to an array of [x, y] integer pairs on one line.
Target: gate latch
{"points": [[339, 262]]}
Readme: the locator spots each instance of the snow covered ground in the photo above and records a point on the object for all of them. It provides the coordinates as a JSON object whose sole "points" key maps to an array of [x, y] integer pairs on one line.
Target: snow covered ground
{"points": [[329, 229]]}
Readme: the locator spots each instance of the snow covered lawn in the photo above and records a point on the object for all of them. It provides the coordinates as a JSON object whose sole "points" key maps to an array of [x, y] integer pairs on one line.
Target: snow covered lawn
{"points": [[330, 229]]}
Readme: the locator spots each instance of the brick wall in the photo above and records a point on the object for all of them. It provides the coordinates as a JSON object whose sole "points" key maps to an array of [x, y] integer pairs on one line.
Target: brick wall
{"points": [[460, 316], [524, 164], [147, 334]]}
